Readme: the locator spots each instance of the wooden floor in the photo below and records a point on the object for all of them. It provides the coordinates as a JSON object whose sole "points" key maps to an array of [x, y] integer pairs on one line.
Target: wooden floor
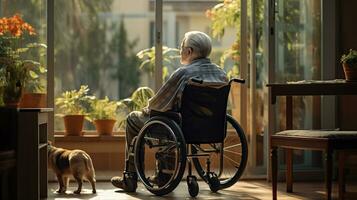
{"points": [[244, 190]]}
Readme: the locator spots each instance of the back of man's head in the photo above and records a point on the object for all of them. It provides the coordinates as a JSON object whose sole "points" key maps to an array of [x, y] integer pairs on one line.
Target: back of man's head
{"points": [[199, 42]]}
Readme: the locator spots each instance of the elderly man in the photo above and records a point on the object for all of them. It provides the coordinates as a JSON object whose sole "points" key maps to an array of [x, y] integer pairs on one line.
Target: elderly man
{"points": [[195, 48]]}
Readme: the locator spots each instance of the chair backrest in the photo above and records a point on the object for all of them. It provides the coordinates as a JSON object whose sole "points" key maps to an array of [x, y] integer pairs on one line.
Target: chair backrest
{"points": [[203, 111]]}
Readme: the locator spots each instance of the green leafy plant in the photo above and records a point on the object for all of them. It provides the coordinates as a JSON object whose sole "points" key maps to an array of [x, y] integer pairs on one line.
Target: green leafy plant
{"points": [[74, 102], [37, 80], [16, 69], [170, 59], [350, 58], [138, 100], [223, 15], [102, 109]]}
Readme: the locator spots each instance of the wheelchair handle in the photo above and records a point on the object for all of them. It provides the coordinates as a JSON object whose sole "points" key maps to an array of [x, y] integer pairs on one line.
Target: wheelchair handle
{"points": [[237, 80]]}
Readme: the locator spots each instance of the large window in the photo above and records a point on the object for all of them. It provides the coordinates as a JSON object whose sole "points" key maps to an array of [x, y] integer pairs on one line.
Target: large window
{"points": [[96, 43]]}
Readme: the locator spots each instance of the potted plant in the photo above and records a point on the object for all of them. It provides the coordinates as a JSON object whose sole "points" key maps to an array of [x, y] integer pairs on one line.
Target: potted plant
{"points": [[138, 100], [14, 68], [72, 106], [34, 95], [349, 63], [103, 114]]}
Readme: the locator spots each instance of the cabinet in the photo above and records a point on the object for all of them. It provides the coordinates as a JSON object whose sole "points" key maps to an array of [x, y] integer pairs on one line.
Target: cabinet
{"points": [[27, 131]]}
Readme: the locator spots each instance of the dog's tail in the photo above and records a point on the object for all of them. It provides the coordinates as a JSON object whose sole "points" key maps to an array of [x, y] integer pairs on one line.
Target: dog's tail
{"points": [[89, 165]]}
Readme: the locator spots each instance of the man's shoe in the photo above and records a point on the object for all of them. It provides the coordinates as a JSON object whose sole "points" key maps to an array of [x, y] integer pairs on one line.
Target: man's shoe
{"points": [[128, 184], [160, 178]]}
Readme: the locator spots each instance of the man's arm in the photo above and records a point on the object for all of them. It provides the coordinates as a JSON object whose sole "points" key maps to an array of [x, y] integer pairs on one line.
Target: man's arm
{"points": [[162, 101]]}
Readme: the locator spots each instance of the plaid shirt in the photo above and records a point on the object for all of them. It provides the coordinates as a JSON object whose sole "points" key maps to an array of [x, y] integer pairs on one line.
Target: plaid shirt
{"points": [[169, 95]]}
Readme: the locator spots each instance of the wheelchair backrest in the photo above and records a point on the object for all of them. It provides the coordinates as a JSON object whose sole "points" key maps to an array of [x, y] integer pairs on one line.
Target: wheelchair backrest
{"points": [[203, 111]]}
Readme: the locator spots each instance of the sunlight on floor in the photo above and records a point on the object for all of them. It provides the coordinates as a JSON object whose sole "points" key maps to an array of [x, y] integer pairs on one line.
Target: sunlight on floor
{"points": [[245, 190]]}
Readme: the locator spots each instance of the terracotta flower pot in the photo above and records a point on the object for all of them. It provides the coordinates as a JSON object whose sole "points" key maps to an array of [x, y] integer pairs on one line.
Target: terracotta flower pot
{"points": [[350, 72], [104, 126], [73, 125], [34, 100]]}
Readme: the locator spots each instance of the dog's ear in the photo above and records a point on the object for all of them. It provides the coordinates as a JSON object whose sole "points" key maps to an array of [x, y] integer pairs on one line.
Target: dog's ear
{"points": [[49, 142]]}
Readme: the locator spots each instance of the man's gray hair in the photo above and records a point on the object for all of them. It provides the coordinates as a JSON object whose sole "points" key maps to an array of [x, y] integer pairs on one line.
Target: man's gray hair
{"points": [[199, 42]]}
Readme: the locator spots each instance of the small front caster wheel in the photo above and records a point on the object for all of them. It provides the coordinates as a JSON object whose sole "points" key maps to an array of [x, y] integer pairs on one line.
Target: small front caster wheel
{"points": [[192, 186]]}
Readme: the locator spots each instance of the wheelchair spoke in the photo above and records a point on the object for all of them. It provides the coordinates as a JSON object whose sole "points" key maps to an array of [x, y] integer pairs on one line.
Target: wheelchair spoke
{"points": [[233, 161], [233, 152], [232, 146], [229, 140]]}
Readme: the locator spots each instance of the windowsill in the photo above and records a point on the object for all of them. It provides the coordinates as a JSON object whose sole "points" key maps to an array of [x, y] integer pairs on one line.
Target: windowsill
{"points": [[89, 136]]}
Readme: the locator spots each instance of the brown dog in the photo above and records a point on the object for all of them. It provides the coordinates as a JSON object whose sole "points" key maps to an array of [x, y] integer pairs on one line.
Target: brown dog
{"points": [[71, 162]]}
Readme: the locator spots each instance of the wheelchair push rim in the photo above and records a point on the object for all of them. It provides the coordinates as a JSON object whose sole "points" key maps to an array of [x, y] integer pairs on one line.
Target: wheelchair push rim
{"points": [[163, 138], [230, 165]]}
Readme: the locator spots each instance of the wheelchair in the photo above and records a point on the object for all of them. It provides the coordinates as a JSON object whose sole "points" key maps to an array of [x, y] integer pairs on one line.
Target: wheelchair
{"points": [[202, 134]]}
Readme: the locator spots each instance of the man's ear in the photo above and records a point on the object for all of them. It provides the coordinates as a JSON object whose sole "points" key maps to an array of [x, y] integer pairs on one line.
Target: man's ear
{"points": [[189, 51]]}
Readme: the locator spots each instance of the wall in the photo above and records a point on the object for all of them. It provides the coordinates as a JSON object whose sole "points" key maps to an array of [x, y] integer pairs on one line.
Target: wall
{"points": [[347, 39]]}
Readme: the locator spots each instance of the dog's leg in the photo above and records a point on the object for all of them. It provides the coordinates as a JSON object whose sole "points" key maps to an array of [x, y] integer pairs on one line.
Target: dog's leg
{"points": [[92, 182], [65, 183], [61, 185], [79, 181]]}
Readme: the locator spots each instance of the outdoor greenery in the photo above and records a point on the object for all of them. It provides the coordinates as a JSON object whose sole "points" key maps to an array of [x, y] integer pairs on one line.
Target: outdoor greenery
{"points": [[125, 62], [170, 60], [223, 15], [350, 58], [87, 54], [102, 109], [74, 102]]}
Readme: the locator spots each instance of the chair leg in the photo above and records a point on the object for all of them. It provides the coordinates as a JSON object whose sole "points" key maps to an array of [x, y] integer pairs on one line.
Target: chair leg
{"points": [[274, 167], [341, 175], [328, 174], [289, 170]]}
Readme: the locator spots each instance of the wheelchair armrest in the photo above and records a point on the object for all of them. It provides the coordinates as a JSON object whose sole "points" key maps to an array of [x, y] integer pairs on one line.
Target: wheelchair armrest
{"points": [[237, 80], [176, 116]]}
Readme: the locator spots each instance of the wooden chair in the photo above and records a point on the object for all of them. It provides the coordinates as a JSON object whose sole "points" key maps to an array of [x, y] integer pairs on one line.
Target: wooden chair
{"points": [[326, 141]]}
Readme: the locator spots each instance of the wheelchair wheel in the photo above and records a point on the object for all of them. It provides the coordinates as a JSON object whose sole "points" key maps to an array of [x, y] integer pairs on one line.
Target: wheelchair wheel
{"points": [[228, 159], [160, 155]]}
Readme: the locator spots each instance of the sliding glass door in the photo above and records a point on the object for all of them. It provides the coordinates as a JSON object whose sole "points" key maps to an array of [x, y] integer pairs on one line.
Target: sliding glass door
{"points": [[296, 42]]}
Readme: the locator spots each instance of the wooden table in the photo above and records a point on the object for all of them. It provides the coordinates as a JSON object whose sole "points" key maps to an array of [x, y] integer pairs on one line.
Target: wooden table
{"points": [[308, 88]]}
